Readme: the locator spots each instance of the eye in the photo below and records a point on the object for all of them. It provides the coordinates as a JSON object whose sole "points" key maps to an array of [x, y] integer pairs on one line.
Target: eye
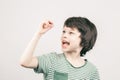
{"points": [[63, 31], [71, 33]]}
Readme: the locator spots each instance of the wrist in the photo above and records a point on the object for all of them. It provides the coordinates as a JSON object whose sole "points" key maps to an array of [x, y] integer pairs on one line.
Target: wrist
{"points": [[38, 34]]}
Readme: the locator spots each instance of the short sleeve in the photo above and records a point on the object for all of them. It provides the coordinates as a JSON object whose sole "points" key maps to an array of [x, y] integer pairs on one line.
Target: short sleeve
{"points": [[43, 64], [95, 75], [93, 72]]}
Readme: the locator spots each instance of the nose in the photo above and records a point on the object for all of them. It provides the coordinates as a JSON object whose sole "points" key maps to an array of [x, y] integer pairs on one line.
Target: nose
{"points": [[64, 35]]}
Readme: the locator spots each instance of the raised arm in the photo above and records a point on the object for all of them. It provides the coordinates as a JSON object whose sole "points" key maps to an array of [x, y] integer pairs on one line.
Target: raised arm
{"points": [[28, 60]]}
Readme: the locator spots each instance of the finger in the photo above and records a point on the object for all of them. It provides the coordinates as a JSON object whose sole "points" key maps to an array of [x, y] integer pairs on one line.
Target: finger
{"points": [[45, 24], [50, 22]]}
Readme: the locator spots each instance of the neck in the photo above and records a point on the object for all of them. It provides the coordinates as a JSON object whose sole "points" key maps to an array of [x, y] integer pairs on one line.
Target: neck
{"points": [[74, 54], [74, 58]]}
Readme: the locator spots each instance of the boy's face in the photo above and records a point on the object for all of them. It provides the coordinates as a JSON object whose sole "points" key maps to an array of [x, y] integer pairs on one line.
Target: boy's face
{"points": [[70, 40]]}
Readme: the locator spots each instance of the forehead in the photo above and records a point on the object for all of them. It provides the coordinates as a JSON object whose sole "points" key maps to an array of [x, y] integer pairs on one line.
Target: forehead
{"points": [[70, 28]]}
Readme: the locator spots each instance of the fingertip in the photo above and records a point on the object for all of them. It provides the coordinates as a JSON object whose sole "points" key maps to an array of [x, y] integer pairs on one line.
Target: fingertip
{"points": [[50, 22]]}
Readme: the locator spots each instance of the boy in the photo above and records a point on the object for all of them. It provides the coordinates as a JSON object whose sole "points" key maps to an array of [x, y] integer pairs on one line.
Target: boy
{"points": [[78, 37]]}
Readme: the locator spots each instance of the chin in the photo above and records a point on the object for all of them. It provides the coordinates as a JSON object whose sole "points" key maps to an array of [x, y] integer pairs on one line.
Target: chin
{"points": [[65, 50]]}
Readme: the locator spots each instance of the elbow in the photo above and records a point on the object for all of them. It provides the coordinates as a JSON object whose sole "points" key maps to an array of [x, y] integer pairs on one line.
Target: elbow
{"points": [[23, 64]]}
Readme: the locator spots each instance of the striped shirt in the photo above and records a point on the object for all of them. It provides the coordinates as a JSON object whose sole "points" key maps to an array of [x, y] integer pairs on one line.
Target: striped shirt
{"points": [[56, 67]]}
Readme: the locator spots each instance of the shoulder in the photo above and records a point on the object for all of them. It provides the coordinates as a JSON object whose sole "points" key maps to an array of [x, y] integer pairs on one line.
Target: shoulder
{"points": [[50, 56], [55, 56], [93, 70], [91, 66]]}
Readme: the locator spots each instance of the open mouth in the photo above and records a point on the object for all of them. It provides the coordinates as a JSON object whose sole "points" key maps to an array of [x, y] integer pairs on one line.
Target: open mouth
{"points": [[65, 44]]}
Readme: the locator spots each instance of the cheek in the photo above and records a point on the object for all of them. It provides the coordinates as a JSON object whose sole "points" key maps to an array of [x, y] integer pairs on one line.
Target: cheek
{"points": [[77, 41]]}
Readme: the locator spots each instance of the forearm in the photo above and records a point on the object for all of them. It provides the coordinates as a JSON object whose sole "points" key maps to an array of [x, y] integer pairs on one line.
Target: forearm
{"points": [[27, 56]]}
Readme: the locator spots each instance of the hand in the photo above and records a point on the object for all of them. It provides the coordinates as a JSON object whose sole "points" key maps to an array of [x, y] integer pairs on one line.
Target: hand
{"points": [[45, 26]]}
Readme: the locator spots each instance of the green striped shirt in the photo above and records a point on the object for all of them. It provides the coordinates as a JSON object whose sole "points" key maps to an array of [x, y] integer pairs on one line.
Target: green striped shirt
{"points": [[55, 67]]}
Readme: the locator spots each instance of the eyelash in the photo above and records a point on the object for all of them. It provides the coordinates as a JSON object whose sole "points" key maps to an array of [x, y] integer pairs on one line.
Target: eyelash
{"points": [[63, 31], [70, 32]]}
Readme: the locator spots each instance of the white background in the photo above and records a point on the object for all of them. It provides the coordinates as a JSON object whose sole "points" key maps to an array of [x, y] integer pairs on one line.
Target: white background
{"points": [[19, 19]]}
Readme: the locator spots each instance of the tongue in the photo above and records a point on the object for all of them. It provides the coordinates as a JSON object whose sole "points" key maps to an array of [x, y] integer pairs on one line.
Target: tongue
{"points": [[65, 44]]}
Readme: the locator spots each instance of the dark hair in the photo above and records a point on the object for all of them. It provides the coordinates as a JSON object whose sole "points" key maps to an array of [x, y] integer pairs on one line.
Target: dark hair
{"points": [[87, 29]]}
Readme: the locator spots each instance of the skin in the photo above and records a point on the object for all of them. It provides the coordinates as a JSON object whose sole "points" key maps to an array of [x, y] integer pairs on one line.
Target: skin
{"points": [[71, 50]]}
